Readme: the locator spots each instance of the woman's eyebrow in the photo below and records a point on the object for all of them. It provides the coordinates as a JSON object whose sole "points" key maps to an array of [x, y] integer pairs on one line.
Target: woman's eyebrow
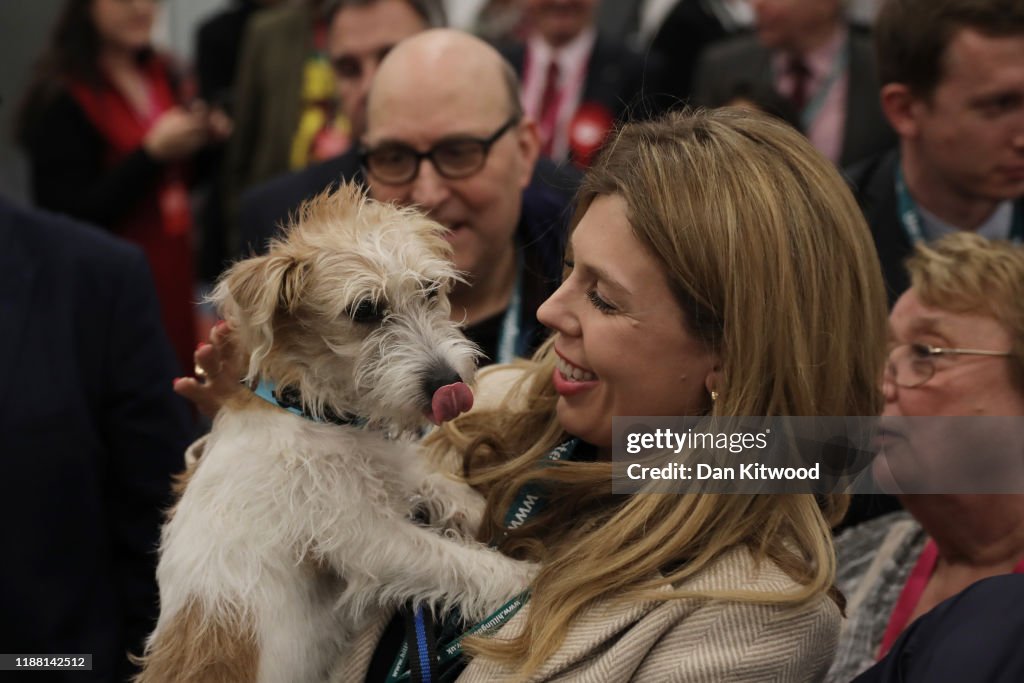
{"points": [[603, 276]]}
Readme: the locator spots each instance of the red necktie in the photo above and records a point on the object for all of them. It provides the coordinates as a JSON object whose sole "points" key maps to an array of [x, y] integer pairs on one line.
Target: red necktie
{"points": [[801, 75], [549, 108]]}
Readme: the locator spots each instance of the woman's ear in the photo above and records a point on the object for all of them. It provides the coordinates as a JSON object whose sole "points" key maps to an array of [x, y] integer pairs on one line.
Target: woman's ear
{"points": [[712, 381]]}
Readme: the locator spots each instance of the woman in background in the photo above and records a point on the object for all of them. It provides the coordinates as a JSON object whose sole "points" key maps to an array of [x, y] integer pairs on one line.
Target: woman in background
{"points": [[954, 399], [107, 136]]}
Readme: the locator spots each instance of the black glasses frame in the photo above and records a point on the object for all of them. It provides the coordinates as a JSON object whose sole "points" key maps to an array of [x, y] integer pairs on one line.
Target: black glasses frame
{"points": [[485, 145]]}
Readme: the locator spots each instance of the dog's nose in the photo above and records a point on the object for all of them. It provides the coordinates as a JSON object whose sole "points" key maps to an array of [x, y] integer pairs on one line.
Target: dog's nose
{"points": [[439, 376]]}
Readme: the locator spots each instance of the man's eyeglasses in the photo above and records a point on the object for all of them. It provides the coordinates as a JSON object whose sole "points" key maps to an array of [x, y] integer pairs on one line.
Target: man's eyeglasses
{"points": [[911, 365], [395, 163]]}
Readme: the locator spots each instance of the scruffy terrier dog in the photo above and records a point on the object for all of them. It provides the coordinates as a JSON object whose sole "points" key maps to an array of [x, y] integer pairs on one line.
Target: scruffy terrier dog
{"points": [[292, 525]]}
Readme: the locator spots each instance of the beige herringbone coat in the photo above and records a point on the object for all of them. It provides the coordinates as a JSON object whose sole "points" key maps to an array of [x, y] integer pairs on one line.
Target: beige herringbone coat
{"points": [[680, 640], [709, 641]]}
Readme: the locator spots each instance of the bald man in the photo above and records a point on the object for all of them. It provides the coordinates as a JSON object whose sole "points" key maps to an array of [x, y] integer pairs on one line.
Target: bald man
{"points": [[482, 155], [450, 95]]}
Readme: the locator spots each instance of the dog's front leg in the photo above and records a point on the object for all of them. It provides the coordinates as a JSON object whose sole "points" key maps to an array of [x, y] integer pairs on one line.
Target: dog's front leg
{"points": [[410, 562], [451, 504]]}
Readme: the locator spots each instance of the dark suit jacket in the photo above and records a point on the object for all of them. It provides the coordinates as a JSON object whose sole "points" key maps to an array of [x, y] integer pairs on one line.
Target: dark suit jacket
{"points": [[92, 433], [743, 63], [973, 636], [874, 186], [688, 29], [266, 208], [541, 232], [218, 47]]}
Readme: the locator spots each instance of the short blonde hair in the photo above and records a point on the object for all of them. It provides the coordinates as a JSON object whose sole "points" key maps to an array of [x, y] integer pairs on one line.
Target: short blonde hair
{"points": [[966, 273]]}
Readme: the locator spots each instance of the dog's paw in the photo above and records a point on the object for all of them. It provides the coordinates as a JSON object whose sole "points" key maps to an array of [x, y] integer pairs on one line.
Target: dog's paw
{"points": [[452, 505], [514, 578], [465, 522]]}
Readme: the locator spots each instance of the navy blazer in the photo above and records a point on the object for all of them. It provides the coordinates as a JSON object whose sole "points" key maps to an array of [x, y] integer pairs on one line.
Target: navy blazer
{"points": [[973, 636], [92, 434]]}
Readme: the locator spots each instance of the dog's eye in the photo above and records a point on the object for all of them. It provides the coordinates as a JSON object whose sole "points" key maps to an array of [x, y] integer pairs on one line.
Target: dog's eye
{"points": [[367, 311], [432, 293]]}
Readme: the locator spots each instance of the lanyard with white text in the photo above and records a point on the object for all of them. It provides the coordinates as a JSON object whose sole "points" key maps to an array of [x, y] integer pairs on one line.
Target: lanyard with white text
{"points": [[528, 502], [424, 671], [813, 108], [910, 217], [530, 498]]}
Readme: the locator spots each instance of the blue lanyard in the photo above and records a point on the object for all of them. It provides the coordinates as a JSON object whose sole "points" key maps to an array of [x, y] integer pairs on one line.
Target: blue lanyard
{"points": [[528, 502], [509, 342], [910, 216]]}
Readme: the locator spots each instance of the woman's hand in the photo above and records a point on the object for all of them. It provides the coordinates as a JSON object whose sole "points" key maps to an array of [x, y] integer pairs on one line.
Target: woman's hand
{"points": [[176, 135], [218, 125], [218, 373]]}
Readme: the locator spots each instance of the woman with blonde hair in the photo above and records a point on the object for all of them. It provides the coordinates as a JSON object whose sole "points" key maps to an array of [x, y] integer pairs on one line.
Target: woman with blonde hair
{"points": [[719, 266]]}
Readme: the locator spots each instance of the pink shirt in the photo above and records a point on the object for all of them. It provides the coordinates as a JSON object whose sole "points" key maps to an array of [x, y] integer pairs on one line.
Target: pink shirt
{"points": [[826, 130], [572, 63]]}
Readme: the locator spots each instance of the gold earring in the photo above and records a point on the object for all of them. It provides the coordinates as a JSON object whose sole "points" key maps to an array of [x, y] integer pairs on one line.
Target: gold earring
{"points": [[714, 395]]}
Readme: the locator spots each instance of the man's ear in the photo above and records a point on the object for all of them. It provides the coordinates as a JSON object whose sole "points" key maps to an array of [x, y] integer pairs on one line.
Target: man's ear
{"points": [[528, 140], [902, 108]]}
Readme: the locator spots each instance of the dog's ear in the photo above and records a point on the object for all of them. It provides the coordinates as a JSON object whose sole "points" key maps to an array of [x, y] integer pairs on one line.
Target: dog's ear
{"points": [[266, 285], [254, 293]]}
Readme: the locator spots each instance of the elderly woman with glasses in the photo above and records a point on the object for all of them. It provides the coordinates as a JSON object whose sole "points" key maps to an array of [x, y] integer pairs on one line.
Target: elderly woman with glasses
{"points": [[953, 386]]}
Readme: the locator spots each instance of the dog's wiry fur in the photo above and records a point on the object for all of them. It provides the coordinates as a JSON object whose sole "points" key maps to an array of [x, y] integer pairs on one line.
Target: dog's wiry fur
{"points": [[290, 530]]}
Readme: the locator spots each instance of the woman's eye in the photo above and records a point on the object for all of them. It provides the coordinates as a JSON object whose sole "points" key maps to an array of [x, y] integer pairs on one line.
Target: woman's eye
{"points": [[599, 303], [367, 311]]}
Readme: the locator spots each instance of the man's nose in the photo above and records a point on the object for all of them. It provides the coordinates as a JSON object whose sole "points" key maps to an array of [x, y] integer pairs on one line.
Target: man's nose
{"points": [[365, 81], [1018, 138], [429, 188]]}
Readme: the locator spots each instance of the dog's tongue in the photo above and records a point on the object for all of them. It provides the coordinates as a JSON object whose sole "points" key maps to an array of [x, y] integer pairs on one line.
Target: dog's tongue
{"points": [[450, 400]]}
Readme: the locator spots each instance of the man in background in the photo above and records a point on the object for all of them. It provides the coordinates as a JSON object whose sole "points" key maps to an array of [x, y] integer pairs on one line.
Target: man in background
{"points": [[575, 83], [805, 52], [952, 76]]}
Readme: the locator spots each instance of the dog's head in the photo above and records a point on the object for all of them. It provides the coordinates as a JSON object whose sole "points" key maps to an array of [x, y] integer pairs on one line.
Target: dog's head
{"points": [[351, 310]]}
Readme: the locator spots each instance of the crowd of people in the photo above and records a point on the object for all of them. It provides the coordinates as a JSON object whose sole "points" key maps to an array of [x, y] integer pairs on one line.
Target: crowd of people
{"points": [[699, 207]]}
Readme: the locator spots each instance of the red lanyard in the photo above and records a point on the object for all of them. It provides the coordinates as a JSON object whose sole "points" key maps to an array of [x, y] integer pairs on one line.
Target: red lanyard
{"points": [[911, 594]]}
